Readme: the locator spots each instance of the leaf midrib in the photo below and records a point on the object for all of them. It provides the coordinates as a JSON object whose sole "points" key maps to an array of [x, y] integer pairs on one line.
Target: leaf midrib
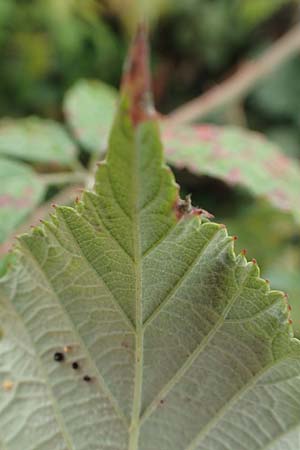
{"points": [[139, 347]]}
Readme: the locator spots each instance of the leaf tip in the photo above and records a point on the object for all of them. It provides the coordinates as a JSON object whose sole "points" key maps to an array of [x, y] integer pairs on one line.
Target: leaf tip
{"points": [[136, 82]]}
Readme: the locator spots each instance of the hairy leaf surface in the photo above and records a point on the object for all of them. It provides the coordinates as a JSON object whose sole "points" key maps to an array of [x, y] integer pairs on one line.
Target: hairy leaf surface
{"points": [[179, 344]]}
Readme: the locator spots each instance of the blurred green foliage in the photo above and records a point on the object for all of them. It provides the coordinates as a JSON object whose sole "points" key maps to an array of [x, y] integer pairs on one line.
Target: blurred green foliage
{"points": [[45, 45], [276, 102]]}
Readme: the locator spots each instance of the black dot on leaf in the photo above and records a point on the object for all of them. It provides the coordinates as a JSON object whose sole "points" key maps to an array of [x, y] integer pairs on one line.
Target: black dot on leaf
{"points": [[87, 378], [75, 365], [58, 356]]}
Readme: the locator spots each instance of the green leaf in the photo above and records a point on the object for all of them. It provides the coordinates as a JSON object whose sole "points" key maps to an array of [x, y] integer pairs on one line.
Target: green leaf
{"points": [[37, 140], [255, 11], [239, 158], [20, 192], [89, 108], [179, 344]]}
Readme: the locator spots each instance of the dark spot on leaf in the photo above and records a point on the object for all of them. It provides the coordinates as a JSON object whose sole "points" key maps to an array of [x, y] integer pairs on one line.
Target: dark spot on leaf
{"points": [[87, 378], [58, 356]]}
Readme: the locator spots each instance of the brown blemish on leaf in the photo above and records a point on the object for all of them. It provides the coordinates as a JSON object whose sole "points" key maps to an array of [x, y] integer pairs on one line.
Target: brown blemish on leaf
{"points": [[136, 79], [5, 200], [219, 152], [28, 191], [184, 207], [234, 176], [278, 166], [202, 212], [24, 201], [7, 385], [67, 349], [124, 344], [206, 132], [280, 198]]}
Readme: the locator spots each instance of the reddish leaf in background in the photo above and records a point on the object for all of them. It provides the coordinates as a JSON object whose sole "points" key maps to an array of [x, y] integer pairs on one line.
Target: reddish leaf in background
{"points": [[239, 158]]}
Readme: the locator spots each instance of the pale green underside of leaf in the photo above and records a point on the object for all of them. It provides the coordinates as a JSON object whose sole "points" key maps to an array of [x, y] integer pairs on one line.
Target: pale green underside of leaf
{"points": [[37, 140], [20, 192], [187, 348]]}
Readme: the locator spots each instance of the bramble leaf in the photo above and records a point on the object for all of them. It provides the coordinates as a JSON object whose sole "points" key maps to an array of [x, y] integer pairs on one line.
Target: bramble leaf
{"points": [[89, 108], [129, 323], [36, 140], [238, 157], [20, 192]]}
